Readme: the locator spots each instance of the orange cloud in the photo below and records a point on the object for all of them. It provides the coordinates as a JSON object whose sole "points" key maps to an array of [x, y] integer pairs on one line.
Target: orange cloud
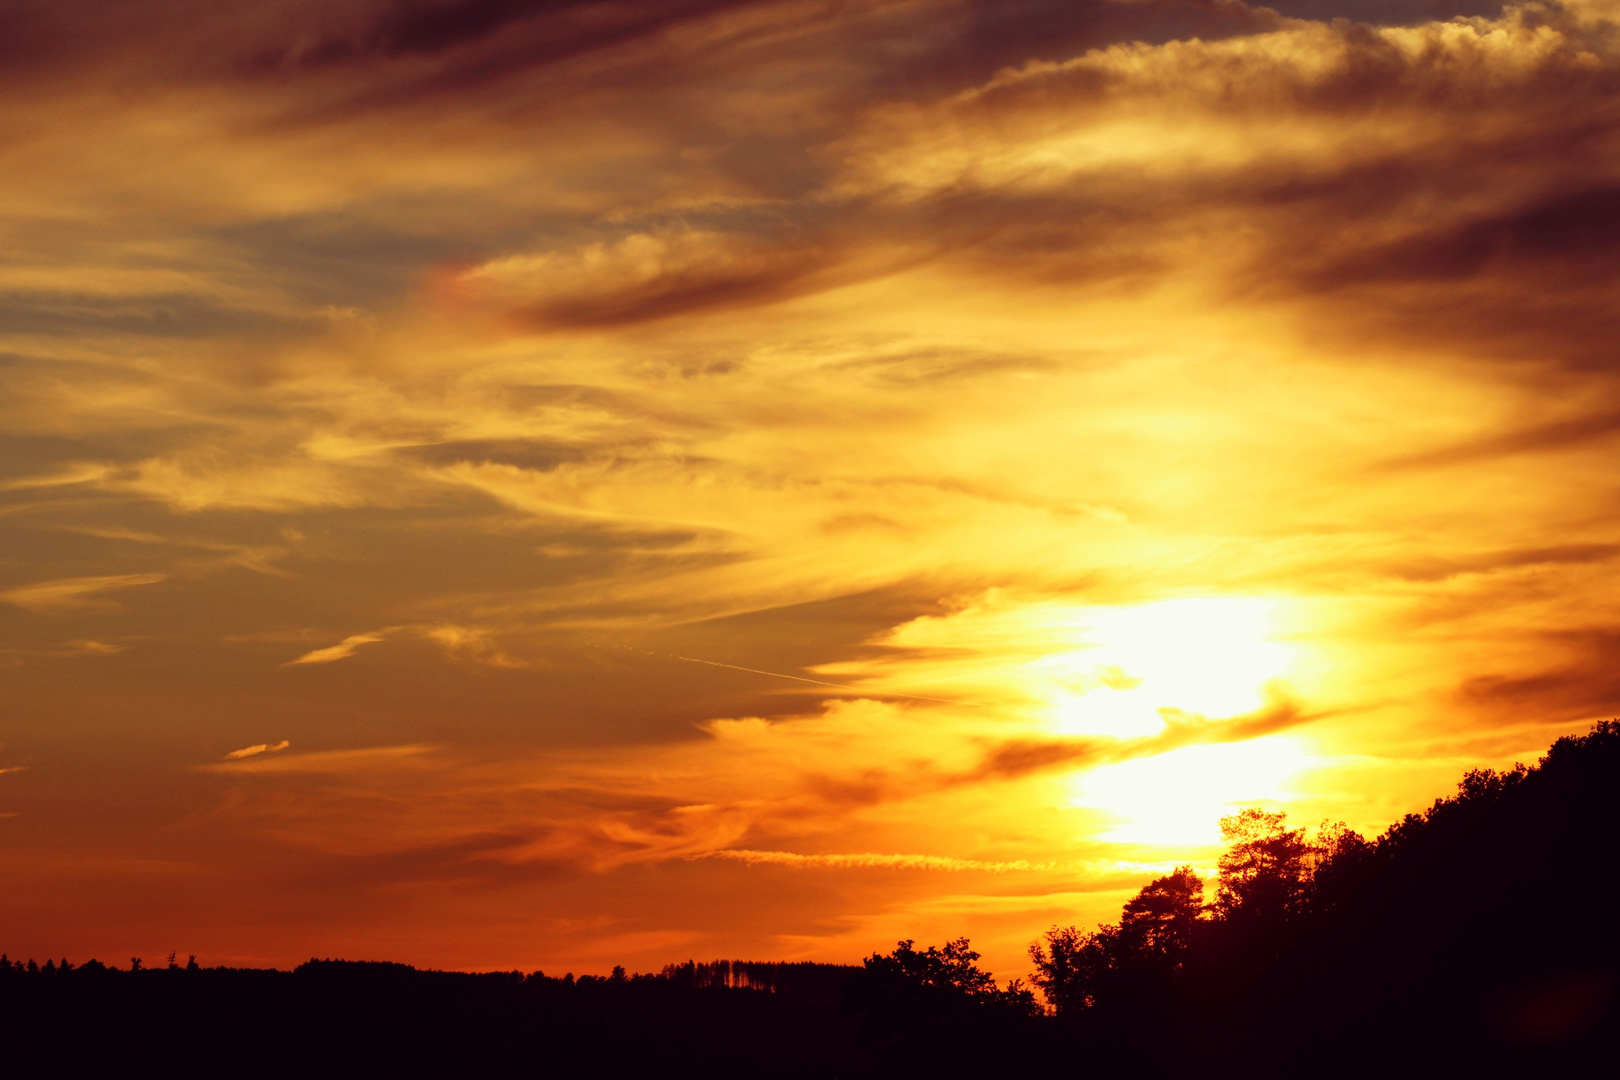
{"points": [[341, 651], [255, 750], [68, 595]]}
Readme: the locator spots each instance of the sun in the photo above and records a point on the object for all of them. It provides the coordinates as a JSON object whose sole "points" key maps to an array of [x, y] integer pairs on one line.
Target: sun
{"points": [[1088, 671], [1209, 656], [1177, 799], [1214, 657]]}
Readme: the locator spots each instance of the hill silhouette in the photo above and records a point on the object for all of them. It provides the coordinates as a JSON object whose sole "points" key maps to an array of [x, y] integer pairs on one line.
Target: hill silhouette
{"points": [[1480, 937]]}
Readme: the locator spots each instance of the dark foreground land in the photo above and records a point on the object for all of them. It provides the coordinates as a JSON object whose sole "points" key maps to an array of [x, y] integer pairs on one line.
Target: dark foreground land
{"points": [[1479, 938]]}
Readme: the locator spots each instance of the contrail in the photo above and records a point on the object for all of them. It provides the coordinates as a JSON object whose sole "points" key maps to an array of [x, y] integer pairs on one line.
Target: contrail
{"points": [[773, 674]]}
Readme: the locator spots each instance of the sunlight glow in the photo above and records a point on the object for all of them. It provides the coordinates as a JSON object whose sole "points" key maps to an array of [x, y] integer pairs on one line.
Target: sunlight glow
{"points": [[1178, 798], [1114, 671], [1211, 656]]}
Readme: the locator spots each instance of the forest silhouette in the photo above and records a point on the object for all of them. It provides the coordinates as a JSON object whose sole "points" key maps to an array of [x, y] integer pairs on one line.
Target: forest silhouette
{"points": [[1480, 937]]}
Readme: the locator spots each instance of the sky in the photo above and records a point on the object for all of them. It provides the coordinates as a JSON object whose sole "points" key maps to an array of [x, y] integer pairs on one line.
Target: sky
{"points": [[547, 484]]}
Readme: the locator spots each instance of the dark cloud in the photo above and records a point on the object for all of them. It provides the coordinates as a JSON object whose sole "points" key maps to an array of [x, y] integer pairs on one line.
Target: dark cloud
{"points": [[1388, 12], [1013, 759], [867, 788], [537, 32], [933, 51], [1563, 233], [1101, 227], [416, 26], [1585, 686], [1022, 757], [684, 291], [1538, 439], [821, 631], [413, 55], [1438, 568], [906, 50]]}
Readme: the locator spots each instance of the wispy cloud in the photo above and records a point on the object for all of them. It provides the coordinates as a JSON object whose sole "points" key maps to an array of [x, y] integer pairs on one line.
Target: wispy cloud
{"points": [[70, 474], [342, 650], [69, 595], [255, 750], [78, 647], [474, 644], [871, 861], [738, 429], [471, 643]]}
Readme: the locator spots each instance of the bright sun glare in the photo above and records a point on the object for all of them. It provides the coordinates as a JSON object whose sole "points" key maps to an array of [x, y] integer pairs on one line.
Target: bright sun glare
{"points": [[1213, 657], [1113, 671], [1178, 798]]}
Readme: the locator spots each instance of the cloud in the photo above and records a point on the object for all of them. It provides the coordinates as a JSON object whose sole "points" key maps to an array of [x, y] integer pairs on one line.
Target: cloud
{"points": [[535, 32], [870, 861], [86, 647], [342, 650], [644, 276], [471, 643], [356, 762], [1568, 678], [1567, 229], [1022, 757], [69, 474], [72, 595], [519, 453], [1420, 568], [1549, 438], [894, 348], [485, 817], [255, 750], [77, 647], [206, 480]]}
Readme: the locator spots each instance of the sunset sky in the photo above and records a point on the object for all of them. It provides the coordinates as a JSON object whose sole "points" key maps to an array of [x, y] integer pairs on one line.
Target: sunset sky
{"points": [[549, 484]]}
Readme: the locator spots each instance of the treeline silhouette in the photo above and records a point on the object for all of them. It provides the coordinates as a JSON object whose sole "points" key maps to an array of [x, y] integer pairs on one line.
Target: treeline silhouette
{"points": [[1478, 938], [369, 1019], [800, 980]]}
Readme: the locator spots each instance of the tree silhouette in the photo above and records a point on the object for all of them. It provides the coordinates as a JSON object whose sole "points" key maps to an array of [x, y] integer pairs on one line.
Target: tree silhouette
{"points": [[1077, 970], [1265, 869], [1073, 968], [1157, 924], [931, 1012]]}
